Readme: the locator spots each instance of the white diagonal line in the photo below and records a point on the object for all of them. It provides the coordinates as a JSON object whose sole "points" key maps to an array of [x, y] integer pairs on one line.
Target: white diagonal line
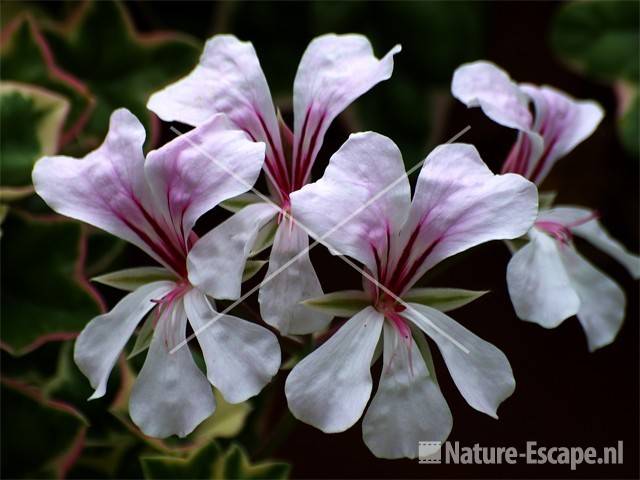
{"points": [[319, 239]]}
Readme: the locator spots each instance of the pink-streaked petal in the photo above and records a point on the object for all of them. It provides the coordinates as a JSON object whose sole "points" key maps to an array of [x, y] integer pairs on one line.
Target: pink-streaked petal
{"points": [[229, 80], [333, 72], [196, 171], [107, 188], [408, 406], [241, 357], [539, 286], [584, 223], [482, 373], [363, 196], [460, 203], [217, 260], [330, 388], [602, 301], [293, 281], [562, 122], [171, 396], [483, 84], [99, 345]]}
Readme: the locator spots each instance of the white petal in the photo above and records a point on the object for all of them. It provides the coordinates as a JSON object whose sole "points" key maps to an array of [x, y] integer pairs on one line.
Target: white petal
{"points": [[101, 341], [229, 80], [333, 72], [217, 260], [241, 357], [602, 301], [107, 188], [171, 396], [483, 84], [594, 232], [291, 280], [408, 406], [562, 122], [482, 373], [459, 203], [196, 171], [539, 286], [330, 388], [363, 195]]}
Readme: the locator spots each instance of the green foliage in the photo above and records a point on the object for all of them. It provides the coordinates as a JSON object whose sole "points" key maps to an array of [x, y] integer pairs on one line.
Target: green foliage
{"points": [[31, 121], [26, 58], [44, 294], [602, 40], [211, 462], [131, 66], [60, 432]]}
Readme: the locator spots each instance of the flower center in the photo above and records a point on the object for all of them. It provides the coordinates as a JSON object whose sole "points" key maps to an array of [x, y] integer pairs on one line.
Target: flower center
{"points": [[560, 232]]}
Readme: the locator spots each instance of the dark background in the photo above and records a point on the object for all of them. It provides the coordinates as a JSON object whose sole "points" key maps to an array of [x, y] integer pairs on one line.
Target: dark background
{"points": [[565, 396]]}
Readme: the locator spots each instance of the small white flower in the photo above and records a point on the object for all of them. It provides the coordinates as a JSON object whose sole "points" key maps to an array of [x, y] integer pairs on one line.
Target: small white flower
{"points": [[548, 280]]}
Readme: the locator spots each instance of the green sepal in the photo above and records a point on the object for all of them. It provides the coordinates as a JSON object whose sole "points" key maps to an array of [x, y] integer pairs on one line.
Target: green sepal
{"points": [[443, 299], [345, 303], [131, 279]]}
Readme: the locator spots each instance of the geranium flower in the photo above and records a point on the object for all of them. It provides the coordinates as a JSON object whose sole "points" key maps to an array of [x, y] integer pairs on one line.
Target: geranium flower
{"points": [[154, 204], [458, 203], [333, 72], [548, 280]]}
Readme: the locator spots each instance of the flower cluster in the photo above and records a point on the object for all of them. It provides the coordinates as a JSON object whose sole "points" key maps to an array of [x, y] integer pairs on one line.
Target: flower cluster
{"points": [[362, 209]]}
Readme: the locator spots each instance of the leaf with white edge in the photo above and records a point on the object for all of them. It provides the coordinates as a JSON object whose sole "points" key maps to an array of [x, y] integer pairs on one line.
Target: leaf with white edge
{"points": [[235, 464], [546, 199], [251, 268], [443, 299], [131, 279], [236, 204], [265, 238], [31, 122], [143, 339], [340, 304], [199, 464]]}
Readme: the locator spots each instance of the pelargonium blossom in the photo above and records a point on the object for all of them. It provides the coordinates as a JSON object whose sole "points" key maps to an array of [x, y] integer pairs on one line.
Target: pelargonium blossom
{"points": [[154, 203], [458, 203], [333, 72], [548, 280]]}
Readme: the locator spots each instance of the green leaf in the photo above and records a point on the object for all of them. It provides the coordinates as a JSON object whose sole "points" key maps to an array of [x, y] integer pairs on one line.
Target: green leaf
{"points": [[45, 296], [600, 39], [251, 268], [546, 199], [226, 422], [41, 436], [143, 339], [200, 464], [340, 304], [25, 57], [131, 66], [235, 464], [31, 121], [132, 278], [236, 204], [443, 299]]}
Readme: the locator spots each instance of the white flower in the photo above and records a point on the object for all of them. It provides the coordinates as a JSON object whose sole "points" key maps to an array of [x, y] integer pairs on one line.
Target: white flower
{"points": [[154, 204], [458, 203]]}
